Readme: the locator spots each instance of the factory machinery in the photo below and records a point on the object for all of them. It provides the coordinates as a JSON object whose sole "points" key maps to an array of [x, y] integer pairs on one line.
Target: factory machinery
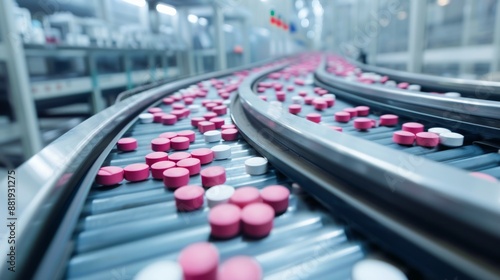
{"points": [[355, 194]]}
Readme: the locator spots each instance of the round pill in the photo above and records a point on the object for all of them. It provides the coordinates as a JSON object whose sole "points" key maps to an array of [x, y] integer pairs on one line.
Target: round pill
{"points": [[127, 144], [244, 196], [413, 127], [278, 86], [363, 123], [227, 126], [257, 220], [178, 114], [224, 220], [240, 268], [157, 117], [438, 130], [319, 104], [337, 128], [210, 106], [330, 101], [371, 269], [308, 100], [220, 110], [342, 117], [363, 110], [191, 164], [276, 196], [280, 96], [168, 101], [189, 198], [414, 87], [175, 157], [302, 93], [352, 111], [263, 97], [314, 117], [209, 115], [196, 120], [452, 94], [212, 176], [136, 172], [157, 168], [218, 122], [221, 152], [427, 139], [230, 134], [484, 176], [146, 118], [160, 270], [109, 175], [199, 261], [168, 135], [212, 136], [153, 157], [256, 166], [160, 144], [451, 139], [205, 155], [297, 100], [403, 137], [179, 143], [389, 120], [290, 88], [294, 109], [188, 101], [168, 119], [219, 194], [154, 110], [403, 85], [205, 126], [178, 106], [176, 177], [194, 108], [188, 134]]}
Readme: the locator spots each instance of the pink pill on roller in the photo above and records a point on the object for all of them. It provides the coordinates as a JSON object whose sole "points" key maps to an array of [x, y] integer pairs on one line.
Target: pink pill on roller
{"points": [[302, 93], [484, 176], [153, 157], [240, 268], [230, 134], [276, 196], [294, 109], [280, 96], [228, 126], [189, 198], [299, 82], [290, 88], [389, 120], [427, 139], [136, 172], [278, 86], [168, 135], [188, 100], [160, 144], [343, 117], [205, 155], [319, 104], [353, 112], [403, 85], [179, 114], [363, 123], [244, 196], [257, 220], [109, 175], [178, 106], [154, 110], [263, 97], [210, 106], [212, 176], [175, 157], [314, 117], [127, 144], [176, 177], [218, 122], [363, 111], [205, 126], [157, 117], [191, 164], [168, 101], [196, 120], [322, 92], [261, 89], [403, 137], [157, 168], [224, 220], [209, 115], [330, 101], [199, 261], [179, 143], [413, 127], [188, 134], [220, 110], [169, 119], [308, 100], [337, 128]]}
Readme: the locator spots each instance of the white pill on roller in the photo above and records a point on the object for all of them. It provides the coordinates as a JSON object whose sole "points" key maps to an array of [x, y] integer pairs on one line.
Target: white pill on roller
{"points": [[194, 108], [161, 270], [329, 95], [371, 269], [212, 136], [390, 83], [414, 87], [256, 165], [451, 139], [146, 118], [297, 100], [218, 195], [226, 102], [221, 152], [452, 94], [438, 130]]}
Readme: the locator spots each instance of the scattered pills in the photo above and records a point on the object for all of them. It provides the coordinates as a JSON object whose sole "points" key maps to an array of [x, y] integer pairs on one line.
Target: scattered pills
{"points": [[256, 166], [109, 175], [189, 198], [136, 172], [199, 261], [413, 127], [224, 220], [146, 118], [213, 176], [161, 270], [212, 136], [371, 269], [257, 220], [240, 268], [451, 139], [276, 196], [221, 152], [403, 137], [127, 144], [157, 168], [176, 177], [219, 194]]}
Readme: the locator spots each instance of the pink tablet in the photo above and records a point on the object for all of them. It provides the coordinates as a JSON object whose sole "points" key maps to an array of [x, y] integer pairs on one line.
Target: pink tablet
{"points": [[314, 117], [276, 196], [175, 157], [319, 104], [257, 220], [109, 175], [343, 117], [229, 134], [168, 135], [205, 155], [189, 134], [189, 198], [413, 127], [240, 268], [218, 122], [176, 177], [136, 172], [224, 220], [179, 143], [191, 164], [160, 144], [157, 168], [244, 196], [294, 109], [363, 123], [403, 137], [363, 111], [389, 120], [212, 176], [209, 115], [157, 117], [227, 126], [168, 100], [427, 139], [196, 120], [352, 111], [220, 110], [205, 126], [127, 144], [199, 261], [169, 119], [155, 157]]}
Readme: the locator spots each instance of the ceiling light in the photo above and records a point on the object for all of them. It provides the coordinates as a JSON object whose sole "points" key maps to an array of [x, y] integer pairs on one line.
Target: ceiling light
{"points": [[138, 3], [166, 9], [203, 21], [192, 18]]}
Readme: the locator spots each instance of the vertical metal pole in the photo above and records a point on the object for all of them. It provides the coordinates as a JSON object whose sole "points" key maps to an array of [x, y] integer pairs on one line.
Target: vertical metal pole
{"points": [[164, 63], [466, 67], [416, 35], [219, 35], [152, 67], [246, 42], [128, 70], [20, 94], [372, 49], [96, 95], [186, 34], [495, 63]]}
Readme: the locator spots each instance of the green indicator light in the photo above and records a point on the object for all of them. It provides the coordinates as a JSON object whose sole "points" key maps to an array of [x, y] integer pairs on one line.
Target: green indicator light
{"points": [[272, 13]]}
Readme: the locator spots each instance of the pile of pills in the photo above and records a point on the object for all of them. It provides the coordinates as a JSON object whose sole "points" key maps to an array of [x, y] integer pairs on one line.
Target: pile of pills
{"points": [[414, 132]]}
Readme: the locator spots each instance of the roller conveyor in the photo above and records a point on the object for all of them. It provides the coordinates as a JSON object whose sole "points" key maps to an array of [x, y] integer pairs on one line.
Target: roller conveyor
{"points": [[121, 229]]}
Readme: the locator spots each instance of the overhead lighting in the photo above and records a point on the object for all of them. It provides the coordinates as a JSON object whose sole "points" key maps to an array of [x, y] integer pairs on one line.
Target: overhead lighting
{"points": [[192, 18], [138, 3], [443, 3], [303, 13], [304, 22], [202, 21], [166, 9]]}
